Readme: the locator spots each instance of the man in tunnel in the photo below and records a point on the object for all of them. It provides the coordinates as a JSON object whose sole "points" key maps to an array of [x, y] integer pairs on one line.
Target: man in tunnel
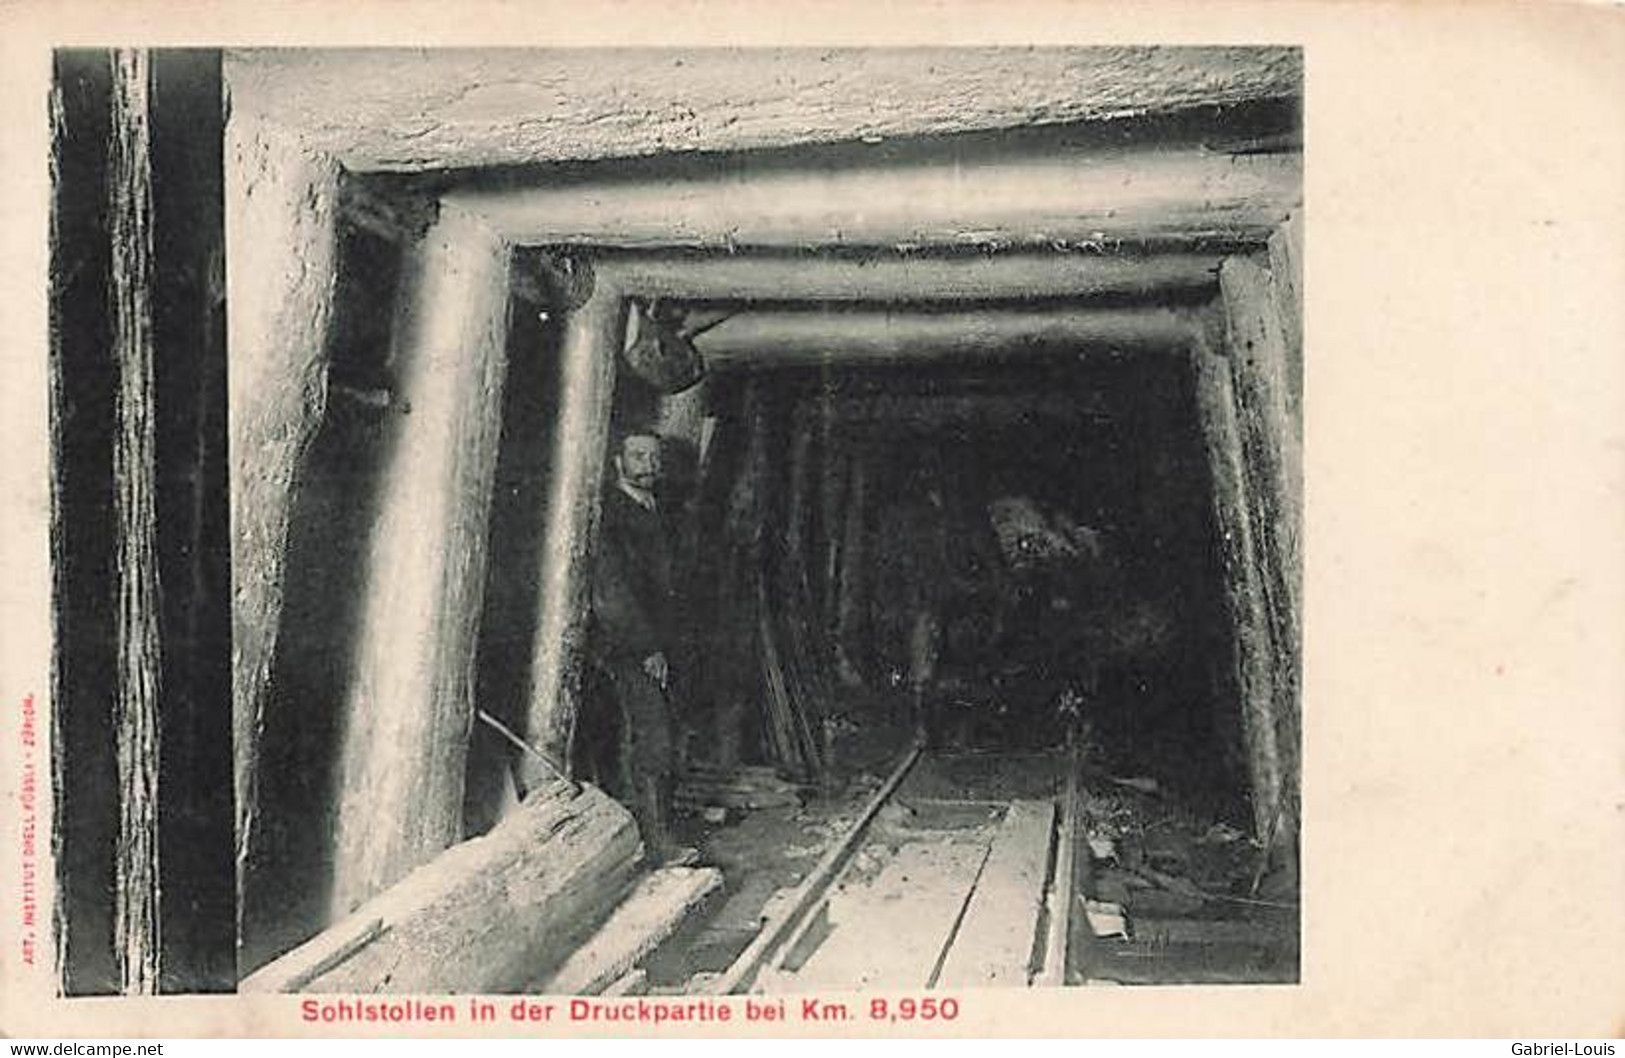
{"points": [[633, 635]]}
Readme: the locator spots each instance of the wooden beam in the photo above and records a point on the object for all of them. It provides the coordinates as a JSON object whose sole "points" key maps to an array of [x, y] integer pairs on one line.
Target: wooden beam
{"points": [[592, 341], [798, 337], [1090, 197], [489, 915], [771, 941], [135, 453], [996, 940], [409, 708], [893, 277], [1252, 663], [1063, 887], [1285, 250], [282, 263], [656, 908], [871, 944], [1257, 337]]}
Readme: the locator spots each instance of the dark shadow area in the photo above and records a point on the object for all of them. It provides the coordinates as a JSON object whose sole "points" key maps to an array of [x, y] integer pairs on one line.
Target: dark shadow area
{"points": [[198, 899], [83, 524], [1024, 549]]}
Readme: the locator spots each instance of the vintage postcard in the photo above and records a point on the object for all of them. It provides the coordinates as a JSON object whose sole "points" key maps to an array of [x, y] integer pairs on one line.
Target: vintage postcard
{"points": [[907, 520]]}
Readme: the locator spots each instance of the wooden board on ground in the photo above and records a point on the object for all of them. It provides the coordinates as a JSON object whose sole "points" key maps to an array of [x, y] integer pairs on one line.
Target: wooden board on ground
{"points": [[653, 911], [995, 942], [891, 931], [1208, 962], [1209, 930], [484, 916]]}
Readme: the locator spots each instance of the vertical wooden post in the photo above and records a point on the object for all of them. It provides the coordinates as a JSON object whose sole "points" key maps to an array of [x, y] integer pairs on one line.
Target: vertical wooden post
{"points": [[797, 506], [1257, 340], [1232, 514], [140, 659], [410, 706], [592, 341], [282, 246], [140, 730], [852, 589], [1286, 282]]}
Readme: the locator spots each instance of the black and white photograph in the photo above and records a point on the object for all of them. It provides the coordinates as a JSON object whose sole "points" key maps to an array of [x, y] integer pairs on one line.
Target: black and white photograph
{"points": [[813, 533], [700, 521]]}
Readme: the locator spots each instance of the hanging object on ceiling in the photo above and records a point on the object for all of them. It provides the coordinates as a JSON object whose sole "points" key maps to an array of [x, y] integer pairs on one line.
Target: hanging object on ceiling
{"points": [[660, 345]]}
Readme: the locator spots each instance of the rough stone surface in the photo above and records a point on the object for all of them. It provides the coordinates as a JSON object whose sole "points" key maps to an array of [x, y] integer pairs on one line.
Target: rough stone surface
{"points": [[396, 109]]}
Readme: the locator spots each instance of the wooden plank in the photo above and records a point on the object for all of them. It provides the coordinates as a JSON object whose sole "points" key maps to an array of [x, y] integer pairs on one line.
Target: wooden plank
{"points": [[660, 904], [994, 946], [486, 915], [1157, 931], [775, 932], [892, 931], [1064, 882], [280, 286]]}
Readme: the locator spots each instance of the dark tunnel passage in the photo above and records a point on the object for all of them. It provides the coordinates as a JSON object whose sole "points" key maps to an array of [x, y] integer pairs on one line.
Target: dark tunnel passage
{"points": [[1054, 513]]}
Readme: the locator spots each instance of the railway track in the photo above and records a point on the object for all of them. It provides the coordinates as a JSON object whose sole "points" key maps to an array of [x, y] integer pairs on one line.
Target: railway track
{"points": [[935, 884], [963, 871]]}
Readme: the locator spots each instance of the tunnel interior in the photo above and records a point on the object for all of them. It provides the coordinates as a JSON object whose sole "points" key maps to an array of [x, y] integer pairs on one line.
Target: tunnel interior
{"points": [[981, 505], [1063, 499]]}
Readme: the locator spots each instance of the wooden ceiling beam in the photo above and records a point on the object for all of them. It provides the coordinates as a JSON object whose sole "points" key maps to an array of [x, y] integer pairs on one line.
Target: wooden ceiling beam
{"points": [[893, 277], [799, 337], [1086, 198]]}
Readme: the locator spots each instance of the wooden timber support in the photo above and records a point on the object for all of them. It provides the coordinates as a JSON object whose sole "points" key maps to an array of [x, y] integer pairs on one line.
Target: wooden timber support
{"points": [[282, 212], [140, 657], [1246, 389], [1081, 195], [489, 915], [804, 337], [892, 276], [410, 706], [1264, 356], [592, 341], [1232, 515], [141, 807]]}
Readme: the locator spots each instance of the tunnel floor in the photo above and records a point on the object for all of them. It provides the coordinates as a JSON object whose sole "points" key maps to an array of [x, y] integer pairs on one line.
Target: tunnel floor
{"points": [[1164, 890]]}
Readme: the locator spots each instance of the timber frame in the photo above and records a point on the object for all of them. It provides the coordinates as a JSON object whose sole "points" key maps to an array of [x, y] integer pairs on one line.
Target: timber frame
{"points": [[1098, 228]]}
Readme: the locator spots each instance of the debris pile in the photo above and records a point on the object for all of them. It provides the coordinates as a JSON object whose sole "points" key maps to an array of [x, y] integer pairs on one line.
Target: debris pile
{"points": [[705, 790], [1174, 896]]}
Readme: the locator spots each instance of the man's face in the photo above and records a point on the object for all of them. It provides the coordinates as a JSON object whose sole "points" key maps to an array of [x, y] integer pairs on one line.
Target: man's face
{"points": [[639, 461]]}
